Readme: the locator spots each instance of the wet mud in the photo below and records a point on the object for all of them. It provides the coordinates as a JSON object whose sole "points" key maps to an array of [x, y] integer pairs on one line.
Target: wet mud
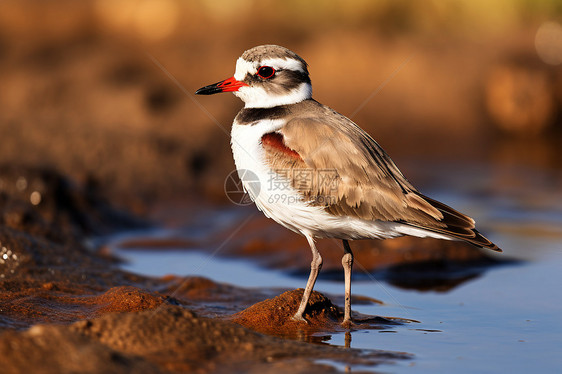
{"points": [[64, 302], [66, 307], [274, 317], [167, 339]]}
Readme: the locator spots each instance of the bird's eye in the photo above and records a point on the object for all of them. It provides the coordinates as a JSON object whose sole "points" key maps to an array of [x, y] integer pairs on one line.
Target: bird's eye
{"points": [[266, 72]]}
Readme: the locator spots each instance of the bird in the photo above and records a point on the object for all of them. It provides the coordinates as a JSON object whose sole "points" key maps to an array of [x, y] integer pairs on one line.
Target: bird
{"points": [[317, 173]]}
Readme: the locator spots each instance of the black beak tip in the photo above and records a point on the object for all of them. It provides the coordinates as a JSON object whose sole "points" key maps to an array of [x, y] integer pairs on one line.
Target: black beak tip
{"points": [[209, 90]]}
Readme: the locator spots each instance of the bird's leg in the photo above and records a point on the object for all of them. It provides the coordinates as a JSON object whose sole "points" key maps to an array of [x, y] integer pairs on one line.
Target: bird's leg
{"points": [[347, 262], [315, 267]]}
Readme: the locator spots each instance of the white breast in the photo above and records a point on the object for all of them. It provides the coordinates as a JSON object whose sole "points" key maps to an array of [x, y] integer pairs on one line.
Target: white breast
{"points": [[274, 196]]}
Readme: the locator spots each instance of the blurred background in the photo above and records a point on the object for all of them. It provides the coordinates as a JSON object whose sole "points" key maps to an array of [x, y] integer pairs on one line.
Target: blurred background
{"points": [[102, 90]]}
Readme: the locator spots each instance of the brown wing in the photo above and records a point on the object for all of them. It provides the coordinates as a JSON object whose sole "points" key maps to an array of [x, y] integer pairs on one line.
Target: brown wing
{"points": [[337, 165]]}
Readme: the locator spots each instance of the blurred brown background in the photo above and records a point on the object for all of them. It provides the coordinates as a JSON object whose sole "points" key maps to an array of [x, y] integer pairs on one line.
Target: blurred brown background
{"points": [[88, 87]]}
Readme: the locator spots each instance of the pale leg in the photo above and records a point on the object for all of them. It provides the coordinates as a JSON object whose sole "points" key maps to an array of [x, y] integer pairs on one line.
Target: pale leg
{"points": [[347, 263], [315, 267]]}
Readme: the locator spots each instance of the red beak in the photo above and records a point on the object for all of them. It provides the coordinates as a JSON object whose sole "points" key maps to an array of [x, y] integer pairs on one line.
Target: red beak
{"points": [[227, 85]]}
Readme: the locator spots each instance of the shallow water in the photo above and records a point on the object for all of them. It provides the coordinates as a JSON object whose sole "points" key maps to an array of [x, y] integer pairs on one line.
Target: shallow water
{"points": [[505, 320]]}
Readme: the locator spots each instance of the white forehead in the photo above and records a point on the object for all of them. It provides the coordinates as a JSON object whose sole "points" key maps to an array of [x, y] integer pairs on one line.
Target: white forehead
{"points": [[244, 67]]}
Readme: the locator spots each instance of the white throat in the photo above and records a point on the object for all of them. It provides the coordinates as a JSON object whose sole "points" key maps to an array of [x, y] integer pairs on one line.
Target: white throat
{"points": [[257, 97]]}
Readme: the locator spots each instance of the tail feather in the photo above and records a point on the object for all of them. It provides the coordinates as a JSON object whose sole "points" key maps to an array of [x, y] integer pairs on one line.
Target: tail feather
{"points": [[458, 226]]}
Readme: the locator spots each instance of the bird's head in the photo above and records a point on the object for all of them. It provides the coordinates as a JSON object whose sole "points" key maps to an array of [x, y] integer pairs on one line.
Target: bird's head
{"points": [[266, 76]]}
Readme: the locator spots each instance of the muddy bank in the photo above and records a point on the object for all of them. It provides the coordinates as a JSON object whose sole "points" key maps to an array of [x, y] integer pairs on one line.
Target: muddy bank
{"points": [[167, 339], [48, 273], [68, 308]]}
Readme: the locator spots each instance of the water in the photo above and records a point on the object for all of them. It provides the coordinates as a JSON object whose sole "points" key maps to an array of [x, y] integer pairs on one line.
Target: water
{"points": [[506, 320]]}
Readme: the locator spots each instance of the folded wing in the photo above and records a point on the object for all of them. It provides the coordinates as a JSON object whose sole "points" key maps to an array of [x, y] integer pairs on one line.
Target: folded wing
{"points": [[344, 170]]}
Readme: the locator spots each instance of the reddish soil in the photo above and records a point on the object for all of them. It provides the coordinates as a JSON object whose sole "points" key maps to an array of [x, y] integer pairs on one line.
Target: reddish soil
{"points": [[66, 308]]}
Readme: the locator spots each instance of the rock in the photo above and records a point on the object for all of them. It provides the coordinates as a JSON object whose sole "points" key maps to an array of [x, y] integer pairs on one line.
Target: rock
{"points": [[43, 202], [274, 315]]}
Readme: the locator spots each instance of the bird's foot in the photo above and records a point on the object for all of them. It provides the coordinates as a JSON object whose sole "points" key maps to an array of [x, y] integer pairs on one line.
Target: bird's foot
{"points": [[347, 323]]}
